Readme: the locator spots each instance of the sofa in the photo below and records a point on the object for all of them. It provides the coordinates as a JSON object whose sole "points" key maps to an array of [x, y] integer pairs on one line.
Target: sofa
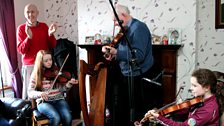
{"points": [[16, 111]]}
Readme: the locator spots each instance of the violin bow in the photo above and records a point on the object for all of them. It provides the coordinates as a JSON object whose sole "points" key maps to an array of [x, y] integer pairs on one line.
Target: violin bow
{"points": [[55, 79], [166, 106], [114, 20]]}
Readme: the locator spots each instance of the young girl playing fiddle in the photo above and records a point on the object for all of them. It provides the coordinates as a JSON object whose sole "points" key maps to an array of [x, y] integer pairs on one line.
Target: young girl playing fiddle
{"points": [[49, 96], [203, 83]]}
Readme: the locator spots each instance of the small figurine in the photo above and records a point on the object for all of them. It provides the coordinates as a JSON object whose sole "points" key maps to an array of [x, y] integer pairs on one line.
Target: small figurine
{"points": [[156, 39], [165, 40], [98, 40]]}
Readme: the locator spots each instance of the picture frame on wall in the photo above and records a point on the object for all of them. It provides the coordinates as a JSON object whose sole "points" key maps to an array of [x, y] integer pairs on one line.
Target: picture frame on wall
{"points": [[219, 14]]}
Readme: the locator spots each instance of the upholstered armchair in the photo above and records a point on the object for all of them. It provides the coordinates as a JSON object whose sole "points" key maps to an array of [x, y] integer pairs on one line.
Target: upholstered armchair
{"points": [[16, 111]]}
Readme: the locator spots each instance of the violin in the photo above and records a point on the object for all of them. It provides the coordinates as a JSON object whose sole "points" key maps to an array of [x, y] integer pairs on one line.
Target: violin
{"points": [[116, 39], [50, 74], [114, 42], [166, 110]]}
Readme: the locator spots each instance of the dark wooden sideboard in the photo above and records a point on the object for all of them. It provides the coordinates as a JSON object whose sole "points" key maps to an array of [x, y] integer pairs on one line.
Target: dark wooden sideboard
{"points": [[165, 59]]}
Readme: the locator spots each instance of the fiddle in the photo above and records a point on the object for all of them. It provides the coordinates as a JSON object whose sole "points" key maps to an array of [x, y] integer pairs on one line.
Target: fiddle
{"points": [[169, 109], [50, 74], [117, 38], [114, 42], [57, 73]]}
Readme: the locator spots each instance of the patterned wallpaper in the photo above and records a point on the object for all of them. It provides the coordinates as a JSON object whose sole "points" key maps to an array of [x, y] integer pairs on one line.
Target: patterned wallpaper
{"points": [[210, 42], [78, 19], [64, 14]]}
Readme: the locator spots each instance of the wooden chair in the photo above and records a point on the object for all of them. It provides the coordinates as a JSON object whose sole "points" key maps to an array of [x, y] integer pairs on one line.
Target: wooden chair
{"points": [[38, 119], [98, 73]]}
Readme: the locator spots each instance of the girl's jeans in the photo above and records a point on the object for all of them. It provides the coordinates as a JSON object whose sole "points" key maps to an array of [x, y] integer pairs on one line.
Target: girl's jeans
{"points": [[57, 111]]}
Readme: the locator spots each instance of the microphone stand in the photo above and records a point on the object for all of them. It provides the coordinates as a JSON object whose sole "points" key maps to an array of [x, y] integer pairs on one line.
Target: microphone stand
{"points": [[133, 63], [157, 77], [180, 89]]}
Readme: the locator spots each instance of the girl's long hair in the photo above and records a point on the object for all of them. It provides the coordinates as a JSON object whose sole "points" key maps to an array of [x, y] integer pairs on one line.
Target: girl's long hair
{"points": [[39, 69]]}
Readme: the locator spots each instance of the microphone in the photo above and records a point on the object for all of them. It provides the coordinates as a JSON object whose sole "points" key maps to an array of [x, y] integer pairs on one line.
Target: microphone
{"points": [[152, 81]]}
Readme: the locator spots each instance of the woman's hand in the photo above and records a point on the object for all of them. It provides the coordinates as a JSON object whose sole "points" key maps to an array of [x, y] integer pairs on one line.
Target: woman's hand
{"points": [[137, 123], [44, 96], [73, 81], [152, 114]]}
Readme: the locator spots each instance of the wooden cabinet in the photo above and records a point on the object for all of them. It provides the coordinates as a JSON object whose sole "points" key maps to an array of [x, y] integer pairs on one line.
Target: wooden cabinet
{"points": [[165, 59]]}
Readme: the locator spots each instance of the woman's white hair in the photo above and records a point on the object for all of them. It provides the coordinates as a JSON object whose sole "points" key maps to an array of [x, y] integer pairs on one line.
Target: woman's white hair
{"points": [[122, 9]]}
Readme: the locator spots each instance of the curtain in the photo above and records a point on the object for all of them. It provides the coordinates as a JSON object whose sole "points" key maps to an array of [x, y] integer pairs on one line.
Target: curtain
{"points": [[8, 32]]}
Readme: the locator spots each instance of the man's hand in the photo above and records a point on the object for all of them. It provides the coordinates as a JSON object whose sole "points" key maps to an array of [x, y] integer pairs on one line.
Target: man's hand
{"points": [[110, 52], [52, 29], [28, 32]]}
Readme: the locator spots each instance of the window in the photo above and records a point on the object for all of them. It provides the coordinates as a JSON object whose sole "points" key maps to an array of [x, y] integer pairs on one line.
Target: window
{"points": [[5, 76]]}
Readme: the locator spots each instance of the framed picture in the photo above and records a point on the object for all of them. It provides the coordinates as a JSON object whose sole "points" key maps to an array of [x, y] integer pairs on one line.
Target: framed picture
{"points": [[174, 35], [156, 39], [89, 40], [219, 14]]}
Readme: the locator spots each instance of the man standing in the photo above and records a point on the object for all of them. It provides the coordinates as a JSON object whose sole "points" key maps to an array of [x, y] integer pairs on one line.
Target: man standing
{"points": [[129, 98], [33, 36]]}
